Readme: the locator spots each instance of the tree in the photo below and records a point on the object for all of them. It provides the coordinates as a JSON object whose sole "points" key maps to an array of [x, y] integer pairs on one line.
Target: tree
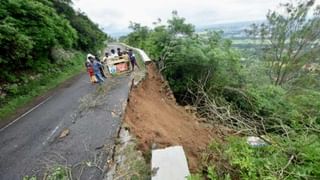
{"points": [[91, 38], [289, 40], [159, 38], [138, 36], [28, 32], [177, 25]]}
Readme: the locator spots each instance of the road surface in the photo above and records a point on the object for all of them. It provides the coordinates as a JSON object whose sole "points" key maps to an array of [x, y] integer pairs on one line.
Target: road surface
{"points": [[75, 128]]}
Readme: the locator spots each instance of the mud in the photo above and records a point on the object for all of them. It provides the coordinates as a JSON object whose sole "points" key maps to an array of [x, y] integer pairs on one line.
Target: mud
{"points": [[157, 121]]}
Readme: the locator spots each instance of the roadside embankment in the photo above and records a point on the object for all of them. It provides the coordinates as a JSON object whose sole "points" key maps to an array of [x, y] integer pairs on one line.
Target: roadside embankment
{"points": [[154, 120], [16, 98], [153, 116]]}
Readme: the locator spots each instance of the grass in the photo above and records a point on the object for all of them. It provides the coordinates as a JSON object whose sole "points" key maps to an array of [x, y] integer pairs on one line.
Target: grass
{"points": [[54, 173], [27, 92]]}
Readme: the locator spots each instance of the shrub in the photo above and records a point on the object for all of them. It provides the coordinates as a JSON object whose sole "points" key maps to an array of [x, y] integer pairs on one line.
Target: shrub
{"points": [[293, 158]]}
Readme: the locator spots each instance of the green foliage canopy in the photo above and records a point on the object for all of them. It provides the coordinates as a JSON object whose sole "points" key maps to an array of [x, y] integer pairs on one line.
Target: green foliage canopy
{"points": [[30, 30], [186, 58], [91, 38]]}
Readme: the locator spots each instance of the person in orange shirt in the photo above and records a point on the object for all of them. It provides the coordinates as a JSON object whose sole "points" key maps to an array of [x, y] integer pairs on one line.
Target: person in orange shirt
{"points": [[90, 71]]}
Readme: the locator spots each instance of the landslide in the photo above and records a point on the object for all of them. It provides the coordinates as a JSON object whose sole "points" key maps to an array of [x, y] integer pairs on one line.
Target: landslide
{"points": [[153, 116]]}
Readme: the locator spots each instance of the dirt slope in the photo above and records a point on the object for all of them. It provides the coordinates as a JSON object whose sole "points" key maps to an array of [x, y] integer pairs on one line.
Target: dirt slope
{"points": [[153, 116]]}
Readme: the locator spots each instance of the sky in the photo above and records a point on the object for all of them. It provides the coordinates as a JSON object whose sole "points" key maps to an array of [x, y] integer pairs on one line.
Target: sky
{"points": [[114, 16]]}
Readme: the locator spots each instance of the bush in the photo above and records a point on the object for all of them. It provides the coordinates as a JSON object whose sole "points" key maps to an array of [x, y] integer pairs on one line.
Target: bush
{"points": [[268, 99], [284, 159], [12, 89], [28, 31]]}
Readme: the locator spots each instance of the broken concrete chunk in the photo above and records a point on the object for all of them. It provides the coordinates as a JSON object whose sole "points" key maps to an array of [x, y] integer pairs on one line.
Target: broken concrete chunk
{"points": [[169, 163], [113, 114], [256, 141]]}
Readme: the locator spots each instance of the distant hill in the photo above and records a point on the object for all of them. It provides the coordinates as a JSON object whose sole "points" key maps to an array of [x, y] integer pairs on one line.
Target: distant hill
{"points": [[231, 30], [119, 33]]}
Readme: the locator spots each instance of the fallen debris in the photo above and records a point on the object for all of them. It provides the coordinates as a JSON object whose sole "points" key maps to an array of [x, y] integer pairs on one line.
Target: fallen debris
{"points": [[65, 132], [114, 114], [254, 141]]}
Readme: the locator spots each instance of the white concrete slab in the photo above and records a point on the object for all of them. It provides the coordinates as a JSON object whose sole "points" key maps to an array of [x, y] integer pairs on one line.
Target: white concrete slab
{"points": [[144, 56], [169, 164]]}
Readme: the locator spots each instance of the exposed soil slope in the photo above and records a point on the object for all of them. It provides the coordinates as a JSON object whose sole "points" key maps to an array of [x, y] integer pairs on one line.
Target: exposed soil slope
{"points": [[153, 116]]}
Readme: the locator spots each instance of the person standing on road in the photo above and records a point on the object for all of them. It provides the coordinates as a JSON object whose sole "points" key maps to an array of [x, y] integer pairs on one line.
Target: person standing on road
{"points": [[132, 60], [113, 54], [119, 52], [105, 58], [96, 68], [101, 67], [93, 78], [89, 67], [125, 55]]}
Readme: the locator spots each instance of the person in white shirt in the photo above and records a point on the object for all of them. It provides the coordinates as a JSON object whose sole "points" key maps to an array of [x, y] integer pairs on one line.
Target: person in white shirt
{"points": [[113, 54], [105, 58]]}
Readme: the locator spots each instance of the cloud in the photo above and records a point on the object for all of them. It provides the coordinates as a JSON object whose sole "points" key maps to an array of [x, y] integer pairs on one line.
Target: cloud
{"points": [[114, 16]]}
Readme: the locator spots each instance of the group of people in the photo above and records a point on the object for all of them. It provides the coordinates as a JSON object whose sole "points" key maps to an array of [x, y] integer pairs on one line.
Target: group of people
{"points": [[95, 67], [128, 55]]}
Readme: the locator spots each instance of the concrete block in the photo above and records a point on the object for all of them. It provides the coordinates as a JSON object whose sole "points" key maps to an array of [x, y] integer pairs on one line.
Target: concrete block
{"points": [[169, 164]]}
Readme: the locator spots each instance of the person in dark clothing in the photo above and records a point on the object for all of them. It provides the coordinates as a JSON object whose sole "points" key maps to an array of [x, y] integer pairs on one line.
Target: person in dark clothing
{"points": [[132, 60], [113, 54], [101, 67], [97, 58], [119, 52]]}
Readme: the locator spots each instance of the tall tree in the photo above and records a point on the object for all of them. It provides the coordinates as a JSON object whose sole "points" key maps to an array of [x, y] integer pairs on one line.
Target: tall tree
{"points": [[289, 39], [177, 25]]}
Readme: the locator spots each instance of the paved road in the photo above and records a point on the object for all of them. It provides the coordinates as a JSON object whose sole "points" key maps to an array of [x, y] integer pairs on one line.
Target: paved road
{"points": [[90, 115]]}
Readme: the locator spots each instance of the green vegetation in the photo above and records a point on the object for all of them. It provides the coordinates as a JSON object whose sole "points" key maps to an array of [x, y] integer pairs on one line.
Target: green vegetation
{"points": [[273, 94], [90, 37], [54, 173], [41, 43], [37, 83], [289, 41]]}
